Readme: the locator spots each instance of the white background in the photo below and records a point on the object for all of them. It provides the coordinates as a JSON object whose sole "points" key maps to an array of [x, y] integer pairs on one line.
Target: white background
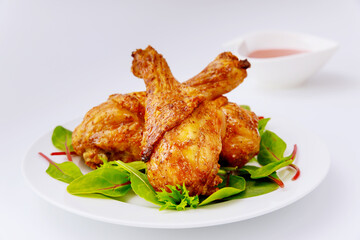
{"points": [[60, 58]]}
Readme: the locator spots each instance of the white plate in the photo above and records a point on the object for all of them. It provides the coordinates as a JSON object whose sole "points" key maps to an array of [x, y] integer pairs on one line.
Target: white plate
{"points": [[313, 160]]}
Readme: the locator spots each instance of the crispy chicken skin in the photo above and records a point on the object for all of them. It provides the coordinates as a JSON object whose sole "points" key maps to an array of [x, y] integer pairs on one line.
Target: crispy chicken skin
{"points": [[189, 153], [112, 130], [103, 129], [221, 76], [183, 130], [167, 102], [242, 139]]}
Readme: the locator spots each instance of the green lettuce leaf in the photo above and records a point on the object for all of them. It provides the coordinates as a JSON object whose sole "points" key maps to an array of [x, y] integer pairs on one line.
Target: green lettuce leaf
{"points": [[140, 183], [178, 198], [262, 124], [65, 172], [61, 136], [106, 181], [255, 187], [230, 186], [272, 148]]}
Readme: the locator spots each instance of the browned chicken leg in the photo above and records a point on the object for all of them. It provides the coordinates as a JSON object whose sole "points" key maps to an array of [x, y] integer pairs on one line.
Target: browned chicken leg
{"points": [[112, 130], [189, 153], [242, 139], [183, 136], [221, 76], [167, 102], [104, 129]]}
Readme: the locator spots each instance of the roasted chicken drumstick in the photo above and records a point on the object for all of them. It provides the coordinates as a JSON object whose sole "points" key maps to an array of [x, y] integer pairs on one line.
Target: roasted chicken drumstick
{"points": [[242, 140], [167, 102], [188, 154], [183, 130], [114, 129]]}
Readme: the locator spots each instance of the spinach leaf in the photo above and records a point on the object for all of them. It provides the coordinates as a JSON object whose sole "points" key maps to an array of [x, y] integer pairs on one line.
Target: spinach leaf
{"points": [[270, 168], [262, 124], [65, 172], [107, 181], [247, 169], [253, 160], [178, 198], [272, 148], [265, 171], [138, 165], [93, 195], [61, 136], [99, 196], [236, 185], [254, 172], [221, 194], [232, 181], [140, 183], [255, 188]]}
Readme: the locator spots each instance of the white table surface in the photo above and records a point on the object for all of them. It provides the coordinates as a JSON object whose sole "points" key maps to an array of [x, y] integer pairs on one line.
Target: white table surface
{"points": [[60, 58]]}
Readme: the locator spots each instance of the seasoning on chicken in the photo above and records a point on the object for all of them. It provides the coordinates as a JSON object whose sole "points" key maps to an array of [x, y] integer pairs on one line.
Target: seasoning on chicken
{"points": [[103, 130], [112, 130], [183, 132], [221, 76], [167, 102], [242, 139], [189, 153]]}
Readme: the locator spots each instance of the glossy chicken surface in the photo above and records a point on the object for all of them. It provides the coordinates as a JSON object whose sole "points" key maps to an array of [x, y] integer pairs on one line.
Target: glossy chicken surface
{"points": [[112, 130], [221, 76], [189, 153], [167, 102], [242, 139], [183, 127]]}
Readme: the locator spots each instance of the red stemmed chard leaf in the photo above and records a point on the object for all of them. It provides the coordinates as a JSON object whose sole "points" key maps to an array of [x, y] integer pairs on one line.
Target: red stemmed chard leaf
{"points": [[110, 182], [68, 155], [60, 136], [65, 172], [61, 153]]}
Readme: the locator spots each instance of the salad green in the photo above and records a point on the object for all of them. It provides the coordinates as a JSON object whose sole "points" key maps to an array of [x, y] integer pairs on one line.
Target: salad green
{"points": [[65, 172], [229, 187], [177, 199], [110, 182], [61, 138], [114, 179]]}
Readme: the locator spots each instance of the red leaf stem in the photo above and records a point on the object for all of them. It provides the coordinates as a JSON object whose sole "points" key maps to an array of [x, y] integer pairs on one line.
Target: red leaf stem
{"points": [[50, 161], [115, 186], [297, 174], [61, 153], [67, 151], [277, 181], [294, 152]]}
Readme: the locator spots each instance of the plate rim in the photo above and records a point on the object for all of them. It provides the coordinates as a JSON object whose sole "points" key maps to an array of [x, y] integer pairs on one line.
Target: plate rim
{"points": [[207, 223]]}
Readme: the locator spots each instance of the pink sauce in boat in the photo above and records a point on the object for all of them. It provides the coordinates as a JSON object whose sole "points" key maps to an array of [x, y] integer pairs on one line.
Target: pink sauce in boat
{"points": [[271, 53]]}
